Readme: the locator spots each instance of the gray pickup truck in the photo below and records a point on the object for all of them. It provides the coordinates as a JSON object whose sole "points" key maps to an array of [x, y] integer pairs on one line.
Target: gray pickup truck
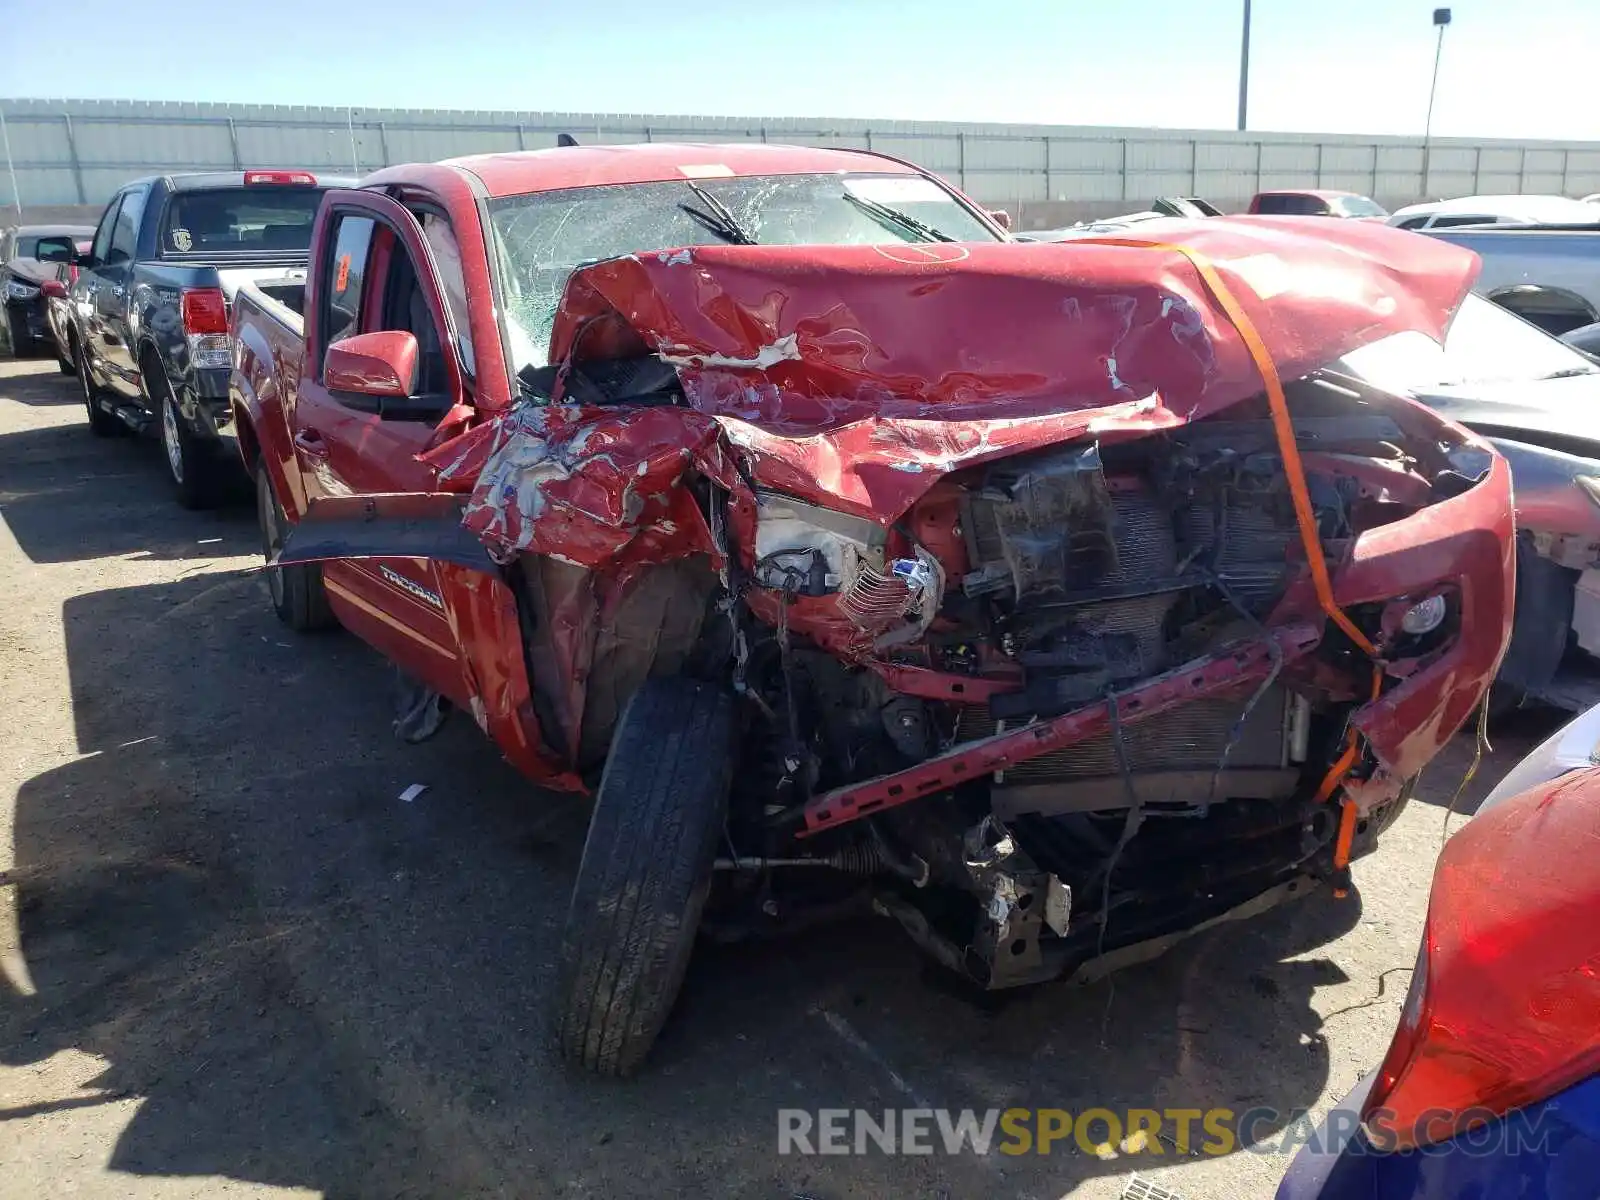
{"points": [[147, 328], [1546, 274]]}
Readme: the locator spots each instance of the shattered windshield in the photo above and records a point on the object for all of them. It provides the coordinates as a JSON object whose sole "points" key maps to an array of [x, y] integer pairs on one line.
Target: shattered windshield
{"points": [[540, 238], [1485, 344]]}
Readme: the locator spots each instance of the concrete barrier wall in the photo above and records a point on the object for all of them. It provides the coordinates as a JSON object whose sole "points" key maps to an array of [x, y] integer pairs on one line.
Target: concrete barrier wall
{"points": [[75, 153]]}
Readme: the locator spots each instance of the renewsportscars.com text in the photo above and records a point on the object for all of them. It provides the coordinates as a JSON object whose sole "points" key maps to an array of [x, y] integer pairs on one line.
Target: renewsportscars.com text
{"points": [[1106, 1133]]}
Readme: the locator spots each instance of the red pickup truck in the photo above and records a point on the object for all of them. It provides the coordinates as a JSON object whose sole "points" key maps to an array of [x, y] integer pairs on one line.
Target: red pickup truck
{"points": [[1059, 599]]}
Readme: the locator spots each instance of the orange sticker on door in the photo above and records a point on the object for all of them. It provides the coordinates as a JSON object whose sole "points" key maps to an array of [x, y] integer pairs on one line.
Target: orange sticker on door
{"points": [[342, 277]]}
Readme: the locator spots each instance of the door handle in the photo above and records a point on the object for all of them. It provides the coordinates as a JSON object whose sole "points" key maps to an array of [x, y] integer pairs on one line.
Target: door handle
{"points": [[309, 442], [116, 289]]}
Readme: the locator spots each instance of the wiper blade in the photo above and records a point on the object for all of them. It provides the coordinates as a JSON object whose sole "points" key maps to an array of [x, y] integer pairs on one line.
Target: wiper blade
{"points": [[894, 216], [717, 217], [1571, 372]]}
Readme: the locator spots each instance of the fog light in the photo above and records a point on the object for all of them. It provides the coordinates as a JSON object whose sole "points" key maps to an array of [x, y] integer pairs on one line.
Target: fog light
{"points": [[1425, 617]]}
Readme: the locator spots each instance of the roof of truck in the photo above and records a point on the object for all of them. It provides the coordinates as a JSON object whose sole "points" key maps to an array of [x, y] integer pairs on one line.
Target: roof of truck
{"points": [[1320, 193], [650, 162], [199, 181]]}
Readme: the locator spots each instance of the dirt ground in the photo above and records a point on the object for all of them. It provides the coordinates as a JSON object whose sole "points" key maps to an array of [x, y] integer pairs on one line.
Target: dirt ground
{"points": [[234, 962]]}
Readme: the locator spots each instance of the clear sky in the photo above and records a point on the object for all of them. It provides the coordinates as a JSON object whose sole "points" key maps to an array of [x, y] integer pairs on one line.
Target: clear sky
{"points": [[1511, 68]]}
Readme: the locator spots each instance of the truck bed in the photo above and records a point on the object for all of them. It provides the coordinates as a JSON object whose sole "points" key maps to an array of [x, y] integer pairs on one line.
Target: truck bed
{"points": [[280, 303], [268, 350], [1562, 261], [282, 299]]}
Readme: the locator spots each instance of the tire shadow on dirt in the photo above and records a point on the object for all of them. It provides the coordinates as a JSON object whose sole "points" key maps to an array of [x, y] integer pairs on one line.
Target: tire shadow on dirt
{"points": [[68, 496], [313, 983], [37, 382]]}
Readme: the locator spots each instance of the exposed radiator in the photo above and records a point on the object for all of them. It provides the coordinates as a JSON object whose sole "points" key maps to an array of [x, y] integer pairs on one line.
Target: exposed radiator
{"points": [[1248, 541], [1188, 738]]}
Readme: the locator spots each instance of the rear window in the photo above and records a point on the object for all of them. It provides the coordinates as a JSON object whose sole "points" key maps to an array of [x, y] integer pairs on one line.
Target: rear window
{"points": [[1291, 205], [265, 218], [27, 247]]}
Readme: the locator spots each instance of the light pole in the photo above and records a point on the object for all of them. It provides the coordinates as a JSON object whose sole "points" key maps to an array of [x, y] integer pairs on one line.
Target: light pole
{"points": [[1244, 67], [1441, 18], [355, 159]]}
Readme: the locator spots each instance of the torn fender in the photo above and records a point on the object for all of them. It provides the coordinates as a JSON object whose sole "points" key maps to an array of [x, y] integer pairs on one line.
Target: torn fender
{"points": [[596, 487]]}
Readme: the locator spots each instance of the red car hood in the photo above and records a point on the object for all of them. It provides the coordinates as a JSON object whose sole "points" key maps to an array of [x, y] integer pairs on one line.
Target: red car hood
{"points": [[813, 337], [857, 376]]}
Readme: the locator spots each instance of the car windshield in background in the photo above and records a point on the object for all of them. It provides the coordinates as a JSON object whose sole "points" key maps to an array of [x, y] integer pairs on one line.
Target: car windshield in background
{"points": [[1290, 205], [1358, 206], [243, 220], [540, 238], [1485, 344]]}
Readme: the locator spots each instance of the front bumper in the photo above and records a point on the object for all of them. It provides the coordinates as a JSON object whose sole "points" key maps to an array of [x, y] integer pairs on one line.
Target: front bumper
{"points": [[1465, 542]]}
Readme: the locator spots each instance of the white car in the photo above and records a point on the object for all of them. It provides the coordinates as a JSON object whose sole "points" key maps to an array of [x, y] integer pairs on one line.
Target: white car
{"points": [[1573, 747], [1494, 210]]}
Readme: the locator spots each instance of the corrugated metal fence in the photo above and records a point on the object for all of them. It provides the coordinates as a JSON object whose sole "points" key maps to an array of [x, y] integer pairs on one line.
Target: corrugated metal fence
{"points": [[76, 152]]}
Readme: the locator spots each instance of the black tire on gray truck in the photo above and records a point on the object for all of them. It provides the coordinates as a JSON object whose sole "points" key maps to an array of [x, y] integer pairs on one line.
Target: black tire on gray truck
{"points": [[646, 869], [192, 465]]}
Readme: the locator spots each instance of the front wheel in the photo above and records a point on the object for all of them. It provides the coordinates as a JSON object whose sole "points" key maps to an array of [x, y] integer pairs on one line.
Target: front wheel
{"points": [[64, 364], [646, 869], [22, 342]]}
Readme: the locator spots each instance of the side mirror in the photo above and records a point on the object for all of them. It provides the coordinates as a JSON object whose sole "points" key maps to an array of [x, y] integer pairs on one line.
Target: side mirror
{"points": [[54, 250], [383, 364], [1000, 217], [53, 289]]}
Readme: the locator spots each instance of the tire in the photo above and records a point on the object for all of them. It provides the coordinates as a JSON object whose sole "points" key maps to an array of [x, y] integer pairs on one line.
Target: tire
{"points": [[191, 464], [64, 364], [645, 873], [101, 423], [297, 594], [1503, 700], [23, 344]]}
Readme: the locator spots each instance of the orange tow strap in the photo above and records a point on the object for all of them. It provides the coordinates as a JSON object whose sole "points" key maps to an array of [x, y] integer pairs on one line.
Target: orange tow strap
{"points": [[1294, 470], [1341, 847], [1282, 426]]}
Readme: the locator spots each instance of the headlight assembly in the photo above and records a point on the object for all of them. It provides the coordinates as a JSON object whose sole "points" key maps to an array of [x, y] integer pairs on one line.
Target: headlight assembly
{"points": [[811, 551], [17, 290]]}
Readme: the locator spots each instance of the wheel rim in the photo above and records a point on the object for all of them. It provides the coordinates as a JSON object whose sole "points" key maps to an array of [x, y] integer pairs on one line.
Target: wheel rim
{"points": [[169, 439], [271, 536]]}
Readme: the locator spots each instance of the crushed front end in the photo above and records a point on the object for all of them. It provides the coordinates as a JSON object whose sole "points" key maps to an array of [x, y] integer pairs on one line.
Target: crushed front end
{"points": [[1119, 711], [1058, 626]]}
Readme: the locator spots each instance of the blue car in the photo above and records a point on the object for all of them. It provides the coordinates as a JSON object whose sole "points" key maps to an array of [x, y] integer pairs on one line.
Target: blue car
{"points": [[1491, 1086]]}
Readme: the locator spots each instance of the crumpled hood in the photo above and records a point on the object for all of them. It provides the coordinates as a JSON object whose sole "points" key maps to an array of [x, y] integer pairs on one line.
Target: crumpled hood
{"points": [[855, 377], [804, 336], [1567, 408], [31, 270]]}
